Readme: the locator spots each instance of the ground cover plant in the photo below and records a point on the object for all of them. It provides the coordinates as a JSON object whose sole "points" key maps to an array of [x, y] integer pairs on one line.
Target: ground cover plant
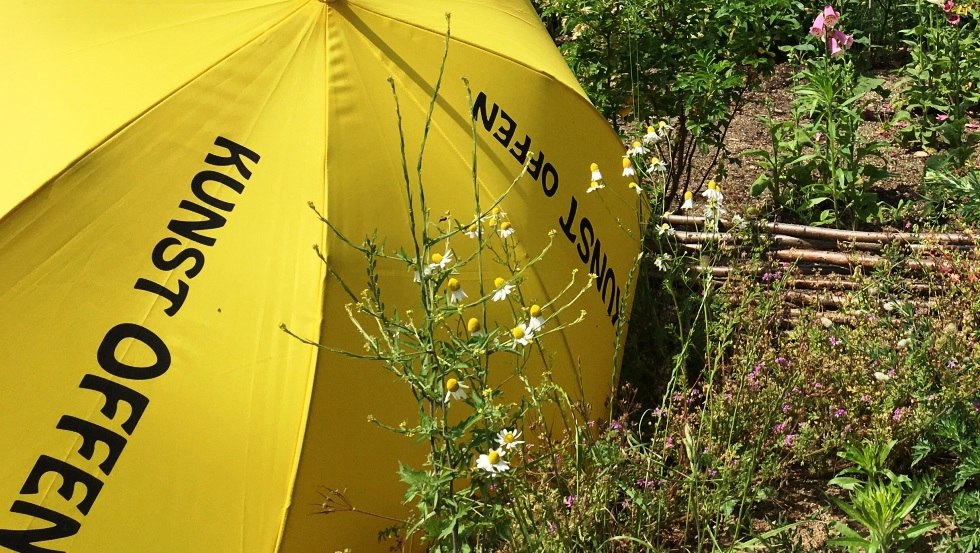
{"points": [[847, 424]]}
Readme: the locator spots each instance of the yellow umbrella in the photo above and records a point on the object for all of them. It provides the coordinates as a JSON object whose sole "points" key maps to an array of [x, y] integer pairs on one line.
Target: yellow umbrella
{"points": [[154, 231]]}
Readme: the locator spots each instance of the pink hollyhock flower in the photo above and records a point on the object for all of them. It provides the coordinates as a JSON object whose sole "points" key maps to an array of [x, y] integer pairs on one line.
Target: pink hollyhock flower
{"points": [[830, 16], [954, 19], [817, 29]]}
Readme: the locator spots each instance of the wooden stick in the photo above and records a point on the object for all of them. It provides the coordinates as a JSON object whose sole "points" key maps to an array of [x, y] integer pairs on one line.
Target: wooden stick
{"points": [[820, 233]]}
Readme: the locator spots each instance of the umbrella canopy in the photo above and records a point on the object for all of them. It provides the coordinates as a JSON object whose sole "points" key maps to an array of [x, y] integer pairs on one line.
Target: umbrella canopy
{"points": [[154, 232]]}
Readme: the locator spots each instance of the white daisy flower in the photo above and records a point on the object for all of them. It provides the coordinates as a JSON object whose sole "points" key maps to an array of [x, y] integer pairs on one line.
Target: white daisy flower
{"points": [[492, 462], [713, 192], [474, 327], [652, 136], [495, 216], [501, 289], [455, 389], [628, 170], [505, 229], [596, 174], [657, 164], [688, 201], [638, 149], [472, 231], [537, 321], [507, 439], [665, 228], [456, 292], [660, 261], [635, 188], [595, 185], [440, 260], [663, 127], [522, 334]]}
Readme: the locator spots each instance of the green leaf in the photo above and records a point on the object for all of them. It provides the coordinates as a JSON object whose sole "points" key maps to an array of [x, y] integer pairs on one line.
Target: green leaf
{"points": [[760, 185], [847, 482]]}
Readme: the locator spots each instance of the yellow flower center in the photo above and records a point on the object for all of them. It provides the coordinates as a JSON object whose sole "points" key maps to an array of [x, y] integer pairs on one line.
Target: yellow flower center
{"points": [[594, 167], [633, 185], [654, 160], [499, 282], [505, 225], [471, 229], [453, 285], [495, 211], [508, 437], [473, 325], [651, 130], [661, 124], [517, 332], [637, 144], [452, 385], [712, 185], [493, 457], [689, 195], [627, 163], [535, 310], [436, 258]]}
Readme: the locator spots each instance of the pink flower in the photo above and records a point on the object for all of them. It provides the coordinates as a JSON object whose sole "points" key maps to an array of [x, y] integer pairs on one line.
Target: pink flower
{"points": [[972, 126], [948, 6], [954, 19], [941, 117], [817, 29], [830, 16], [835, 46]]}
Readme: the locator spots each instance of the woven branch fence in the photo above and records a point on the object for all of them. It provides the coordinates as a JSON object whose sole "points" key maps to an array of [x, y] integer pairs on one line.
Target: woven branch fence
{"points": [[827, 263]]}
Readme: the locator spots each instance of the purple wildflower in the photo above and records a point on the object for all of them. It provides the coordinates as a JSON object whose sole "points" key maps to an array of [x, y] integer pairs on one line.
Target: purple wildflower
{"points": [[645, 483]]}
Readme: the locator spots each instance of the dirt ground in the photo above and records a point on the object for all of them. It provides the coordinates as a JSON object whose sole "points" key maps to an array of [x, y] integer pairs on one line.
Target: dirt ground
{"points": [[746, 131]]}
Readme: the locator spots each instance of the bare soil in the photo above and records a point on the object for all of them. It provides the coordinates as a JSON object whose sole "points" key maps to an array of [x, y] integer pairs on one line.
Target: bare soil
{"points": [[747, 131]]}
